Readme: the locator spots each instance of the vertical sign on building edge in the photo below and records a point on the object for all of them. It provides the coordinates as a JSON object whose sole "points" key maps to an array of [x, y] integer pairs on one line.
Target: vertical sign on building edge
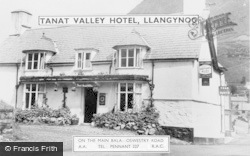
{"points": [[224, 90]]}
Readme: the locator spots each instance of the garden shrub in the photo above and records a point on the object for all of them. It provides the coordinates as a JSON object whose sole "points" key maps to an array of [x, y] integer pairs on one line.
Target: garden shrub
{"points": [[22, 115], [143, 122], [46, 115]]}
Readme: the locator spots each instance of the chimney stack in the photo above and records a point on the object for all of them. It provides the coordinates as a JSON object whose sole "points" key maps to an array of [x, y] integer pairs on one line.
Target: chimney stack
{"points": [[21, 21]]}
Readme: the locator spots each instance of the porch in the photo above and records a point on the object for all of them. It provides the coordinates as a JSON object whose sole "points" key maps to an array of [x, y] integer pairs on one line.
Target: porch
{"points": [[85, 95]]}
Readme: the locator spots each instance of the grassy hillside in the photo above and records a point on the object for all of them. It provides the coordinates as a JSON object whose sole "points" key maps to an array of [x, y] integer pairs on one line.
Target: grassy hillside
{"points": [[158, 7], [233, 47]]}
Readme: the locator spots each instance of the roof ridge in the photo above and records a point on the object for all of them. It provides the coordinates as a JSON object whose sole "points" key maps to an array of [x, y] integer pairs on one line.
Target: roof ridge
{"points": [[75, 26], [46, 38], [139, 34], [121, 26]]}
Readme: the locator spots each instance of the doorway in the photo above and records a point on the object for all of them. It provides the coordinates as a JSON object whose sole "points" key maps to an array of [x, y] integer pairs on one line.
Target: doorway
{"points": [[90, 104]]}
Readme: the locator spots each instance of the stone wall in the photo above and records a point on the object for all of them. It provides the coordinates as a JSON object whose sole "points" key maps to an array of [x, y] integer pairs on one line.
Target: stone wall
{"points": [[6, 120], [204, 118]]}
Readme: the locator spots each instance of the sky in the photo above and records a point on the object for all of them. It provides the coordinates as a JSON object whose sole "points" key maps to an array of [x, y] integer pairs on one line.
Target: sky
{"points": [[62, 8], [90, 7]]}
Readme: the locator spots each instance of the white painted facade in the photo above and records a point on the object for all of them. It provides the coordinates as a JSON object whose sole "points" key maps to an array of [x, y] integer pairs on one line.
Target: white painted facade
{"points": [[7, 83], [178, 93]]}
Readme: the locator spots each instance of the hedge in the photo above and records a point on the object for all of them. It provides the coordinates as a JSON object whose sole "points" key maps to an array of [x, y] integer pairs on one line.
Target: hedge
{"points": [[46, 115], [143, 122]]}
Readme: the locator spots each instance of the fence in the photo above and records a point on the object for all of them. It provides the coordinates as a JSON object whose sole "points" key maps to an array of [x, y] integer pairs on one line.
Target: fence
{"points": [[241, 127]]}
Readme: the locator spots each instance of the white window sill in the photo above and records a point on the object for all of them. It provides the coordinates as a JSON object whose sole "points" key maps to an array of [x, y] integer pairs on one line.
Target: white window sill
{"points": [[129, 68], [35, 70], [84, 69]]}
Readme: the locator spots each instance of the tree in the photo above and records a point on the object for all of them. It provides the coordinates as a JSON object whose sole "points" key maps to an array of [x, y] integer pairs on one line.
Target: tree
{"points": [[243, 80], [233, 89]]}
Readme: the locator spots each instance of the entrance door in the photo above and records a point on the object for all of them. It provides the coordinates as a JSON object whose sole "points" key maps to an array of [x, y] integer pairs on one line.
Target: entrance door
{"points": [[90, 104]]}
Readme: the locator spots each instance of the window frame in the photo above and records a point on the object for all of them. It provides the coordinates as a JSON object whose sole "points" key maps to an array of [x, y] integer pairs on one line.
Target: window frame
{"points": [[83, 62], [137, 59], [126, 92], [40, 65], [37, 92]]}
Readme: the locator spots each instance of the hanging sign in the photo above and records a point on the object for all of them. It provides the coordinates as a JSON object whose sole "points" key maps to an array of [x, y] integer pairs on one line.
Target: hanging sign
{"points": [[205, 69], [220, 24]]}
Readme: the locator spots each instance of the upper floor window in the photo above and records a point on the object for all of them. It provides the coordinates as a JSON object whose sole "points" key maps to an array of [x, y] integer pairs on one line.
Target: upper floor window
{"points": [[35, 60], [83, 60], [129, 58]]}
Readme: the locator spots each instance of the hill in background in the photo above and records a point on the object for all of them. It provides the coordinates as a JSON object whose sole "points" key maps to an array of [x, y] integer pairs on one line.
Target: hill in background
{"points": [[233, 47], [158, 7]]}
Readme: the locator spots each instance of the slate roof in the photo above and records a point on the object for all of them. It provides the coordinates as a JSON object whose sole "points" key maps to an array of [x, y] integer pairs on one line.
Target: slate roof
{"points": [[134, 38], [42, 43], [166, 42]]}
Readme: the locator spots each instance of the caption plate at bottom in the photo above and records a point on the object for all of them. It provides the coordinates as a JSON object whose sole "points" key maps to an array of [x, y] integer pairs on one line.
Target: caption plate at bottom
{"points": [[121, 144]]}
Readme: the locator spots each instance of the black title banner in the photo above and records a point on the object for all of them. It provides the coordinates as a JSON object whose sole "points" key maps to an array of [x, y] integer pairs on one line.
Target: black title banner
{"points": [[31, 148]]}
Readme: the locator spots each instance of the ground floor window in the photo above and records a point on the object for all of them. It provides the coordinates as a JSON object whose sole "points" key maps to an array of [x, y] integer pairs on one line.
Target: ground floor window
{"points": [[129, 96], [33, 94]]}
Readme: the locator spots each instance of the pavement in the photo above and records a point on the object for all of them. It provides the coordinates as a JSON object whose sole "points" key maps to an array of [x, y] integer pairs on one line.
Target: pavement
{"points": [[238, 146]]}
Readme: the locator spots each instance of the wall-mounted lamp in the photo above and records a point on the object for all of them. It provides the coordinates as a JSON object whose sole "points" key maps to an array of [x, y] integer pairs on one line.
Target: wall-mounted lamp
{"points": [[95, 89], [74, 86], [73, 89]]}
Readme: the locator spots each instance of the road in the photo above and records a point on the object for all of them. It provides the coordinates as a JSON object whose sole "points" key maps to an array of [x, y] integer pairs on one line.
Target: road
{"points": [[239, 146]]}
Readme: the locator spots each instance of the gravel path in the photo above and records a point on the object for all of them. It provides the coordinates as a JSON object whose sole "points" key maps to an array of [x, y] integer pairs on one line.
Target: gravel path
{"points": [[44, 133]]}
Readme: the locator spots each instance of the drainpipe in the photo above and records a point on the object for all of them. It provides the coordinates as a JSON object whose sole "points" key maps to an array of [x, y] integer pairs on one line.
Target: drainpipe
{"points": [[222, 110], [17, 85], [51, 70], [151, 85], [110, 66], [153, 67]]}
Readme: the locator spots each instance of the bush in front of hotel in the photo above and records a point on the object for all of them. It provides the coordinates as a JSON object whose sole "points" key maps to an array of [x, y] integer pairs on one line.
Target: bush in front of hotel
{"points": [[45, 115], [144, 122]]}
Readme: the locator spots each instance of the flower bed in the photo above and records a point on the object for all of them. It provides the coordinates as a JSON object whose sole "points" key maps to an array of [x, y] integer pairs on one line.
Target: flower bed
{"points": [[144, 122], [46, 115]]}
